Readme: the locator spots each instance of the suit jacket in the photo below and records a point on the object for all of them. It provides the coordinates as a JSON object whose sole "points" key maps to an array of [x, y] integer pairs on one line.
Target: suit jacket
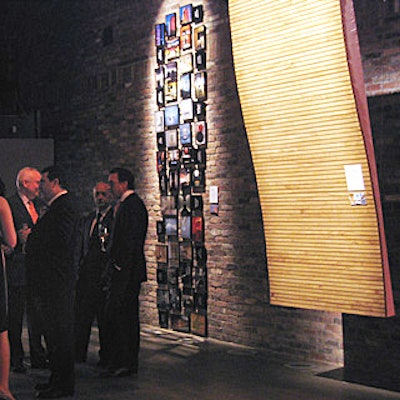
{"points": [[49, 250], [127, 245], [83, 236], [16, 261]]}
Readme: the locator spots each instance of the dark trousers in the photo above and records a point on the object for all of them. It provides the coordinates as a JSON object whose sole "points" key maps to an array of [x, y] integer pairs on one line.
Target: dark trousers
{"points": [[124, 324], [58, 318], [16, 311], [37, 352], [90, 301]]}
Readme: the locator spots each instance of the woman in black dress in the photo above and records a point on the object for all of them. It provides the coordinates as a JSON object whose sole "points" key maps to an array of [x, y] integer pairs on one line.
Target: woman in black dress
{"points": [[8, 239]]}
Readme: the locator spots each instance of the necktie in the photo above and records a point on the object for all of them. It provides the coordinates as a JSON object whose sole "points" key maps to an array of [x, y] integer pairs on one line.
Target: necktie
{"points": [[95, 231], [32, 211]]}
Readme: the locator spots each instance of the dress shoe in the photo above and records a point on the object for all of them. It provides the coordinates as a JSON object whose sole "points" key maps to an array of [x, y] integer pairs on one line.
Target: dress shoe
{"points": [[19, 369], [54, 393]]}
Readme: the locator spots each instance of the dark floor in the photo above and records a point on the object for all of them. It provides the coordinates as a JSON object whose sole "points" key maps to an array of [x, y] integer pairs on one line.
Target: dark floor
{"points": [[179, 366]]}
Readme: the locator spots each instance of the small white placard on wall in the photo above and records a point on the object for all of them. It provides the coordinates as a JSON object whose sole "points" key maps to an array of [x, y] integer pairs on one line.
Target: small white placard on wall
{"points": [[354, 178], [214, 194]]}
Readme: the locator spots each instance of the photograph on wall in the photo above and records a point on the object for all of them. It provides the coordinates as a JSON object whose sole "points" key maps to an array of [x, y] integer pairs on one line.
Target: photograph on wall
{"points": [[172, 48], [159, 35], [163, 318], [187, 156], [186, 63], [186, 14], [200, 85], [175, 300], [185, 85], [171, 138], [200, 110], [186, 37], [160, 55], [196, 204], [161, 253], [171, 82], [160, 98], [201, 255], [180, 323], [171, 116], [172, 276], [173, 181], [161, 161], [173, 158], [201, 60], [186, 110], [200, 158], [163, 183], [197, 229], [200, 134], [198, 324], [173, 252], [168, 205], [185, 250], [160, 77], [185, 176], [161, 141], [186, 227], [170, 25], [198, 180], [185, 134], [199, 37], [162, 276], [163, 299], [160, 230], [198, 14], [171, 225], [159, 121]]}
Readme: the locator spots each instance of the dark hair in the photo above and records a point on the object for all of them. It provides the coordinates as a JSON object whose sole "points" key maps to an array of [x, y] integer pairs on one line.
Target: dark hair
{"points": [[2, 188], [54, 172], [124, 175]]}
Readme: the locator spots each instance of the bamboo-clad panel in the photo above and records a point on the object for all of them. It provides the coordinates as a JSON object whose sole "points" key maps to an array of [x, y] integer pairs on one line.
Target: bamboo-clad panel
{"points": [[301, 106]]}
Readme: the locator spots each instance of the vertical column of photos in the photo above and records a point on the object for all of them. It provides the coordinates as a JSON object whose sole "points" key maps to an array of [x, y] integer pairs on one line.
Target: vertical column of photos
{"points": [[181, 134]]}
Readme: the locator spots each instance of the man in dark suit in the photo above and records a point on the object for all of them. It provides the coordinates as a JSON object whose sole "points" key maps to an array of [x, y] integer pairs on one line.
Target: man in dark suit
{"points": [[51, 277], [127, 272], [91, 261], [26, 207]]}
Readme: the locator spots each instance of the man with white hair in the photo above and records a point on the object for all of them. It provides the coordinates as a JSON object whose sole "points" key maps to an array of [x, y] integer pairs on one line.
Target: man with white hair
{"points": [[26, 207]]}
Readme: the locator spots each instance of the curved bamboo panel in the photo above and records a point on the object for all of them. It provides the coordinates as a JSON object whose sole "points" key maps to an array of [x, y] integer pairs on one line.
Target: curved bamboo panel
{"points": [[302, 110]]}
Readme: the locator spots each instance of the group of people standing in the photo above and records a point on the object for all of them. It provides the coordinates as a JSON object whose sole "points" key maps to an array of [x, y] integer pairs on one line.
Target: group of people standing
{"points": [[68, 270]]}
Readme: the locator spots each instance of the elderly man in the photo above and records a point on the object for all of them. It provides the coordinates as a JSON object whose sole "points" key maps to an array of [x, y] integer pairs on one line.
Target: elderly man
{"points": [[51, 277], [91, 261], [26, 207]]}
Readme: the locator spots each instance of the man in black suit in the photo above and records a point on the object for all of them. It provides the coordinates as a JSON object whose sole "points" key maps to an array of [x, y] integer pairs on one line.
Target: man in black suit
{"points": [[91, 261], [127, 270], [26, 207], [51, 277]]}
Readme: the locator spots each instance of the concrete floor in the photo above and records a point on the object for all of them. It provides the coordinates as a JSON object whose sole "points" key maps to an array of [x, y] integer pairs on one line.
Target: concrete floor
{"points": [[177, 366]]}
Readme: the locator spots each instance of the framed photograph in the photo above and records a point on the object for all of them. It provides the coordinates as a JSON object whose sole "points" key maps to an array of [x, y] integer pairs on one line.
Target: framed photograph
{"points": [[196, 204], [163, 183], [187, 300], [172, 48], [160, 97], [175, 300], [161, 253], [171, 225], [160, 77], [198, 180], [200, 134], [161, 141], [186, 227], [172, 276], [185, 176], [187, 156], [160, 231], [163, 318], [200, 85], [180, 323], [200, 301], [199, 38], [185, 250], [163, 299], [186, 37], [201, 256], [159, 121], [186, 110], [198, 14], [200, 110], [186, 63], [162, 276], [173, 181], [186, 14], [185, 85], [170, 25], [159, 33], [173, 158], [171, 82], [173, 251], [168, 205], [197, 229], [160, 55], [171, 116], [185, 134], [201, 60], [161, 161], [200, 158], [198, 324], [171, 138]]}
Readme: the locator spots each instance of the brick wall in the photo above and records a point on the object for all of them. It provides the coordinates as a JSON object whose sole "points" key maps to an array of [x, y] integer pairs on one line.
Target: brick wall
{"points": [[97, 100]]}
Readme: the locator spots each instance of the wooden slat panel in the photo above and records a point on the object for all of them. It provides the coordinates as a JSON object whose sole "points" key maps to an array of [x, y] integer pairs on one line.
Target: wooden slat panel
{"points": [[302, 125]]}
